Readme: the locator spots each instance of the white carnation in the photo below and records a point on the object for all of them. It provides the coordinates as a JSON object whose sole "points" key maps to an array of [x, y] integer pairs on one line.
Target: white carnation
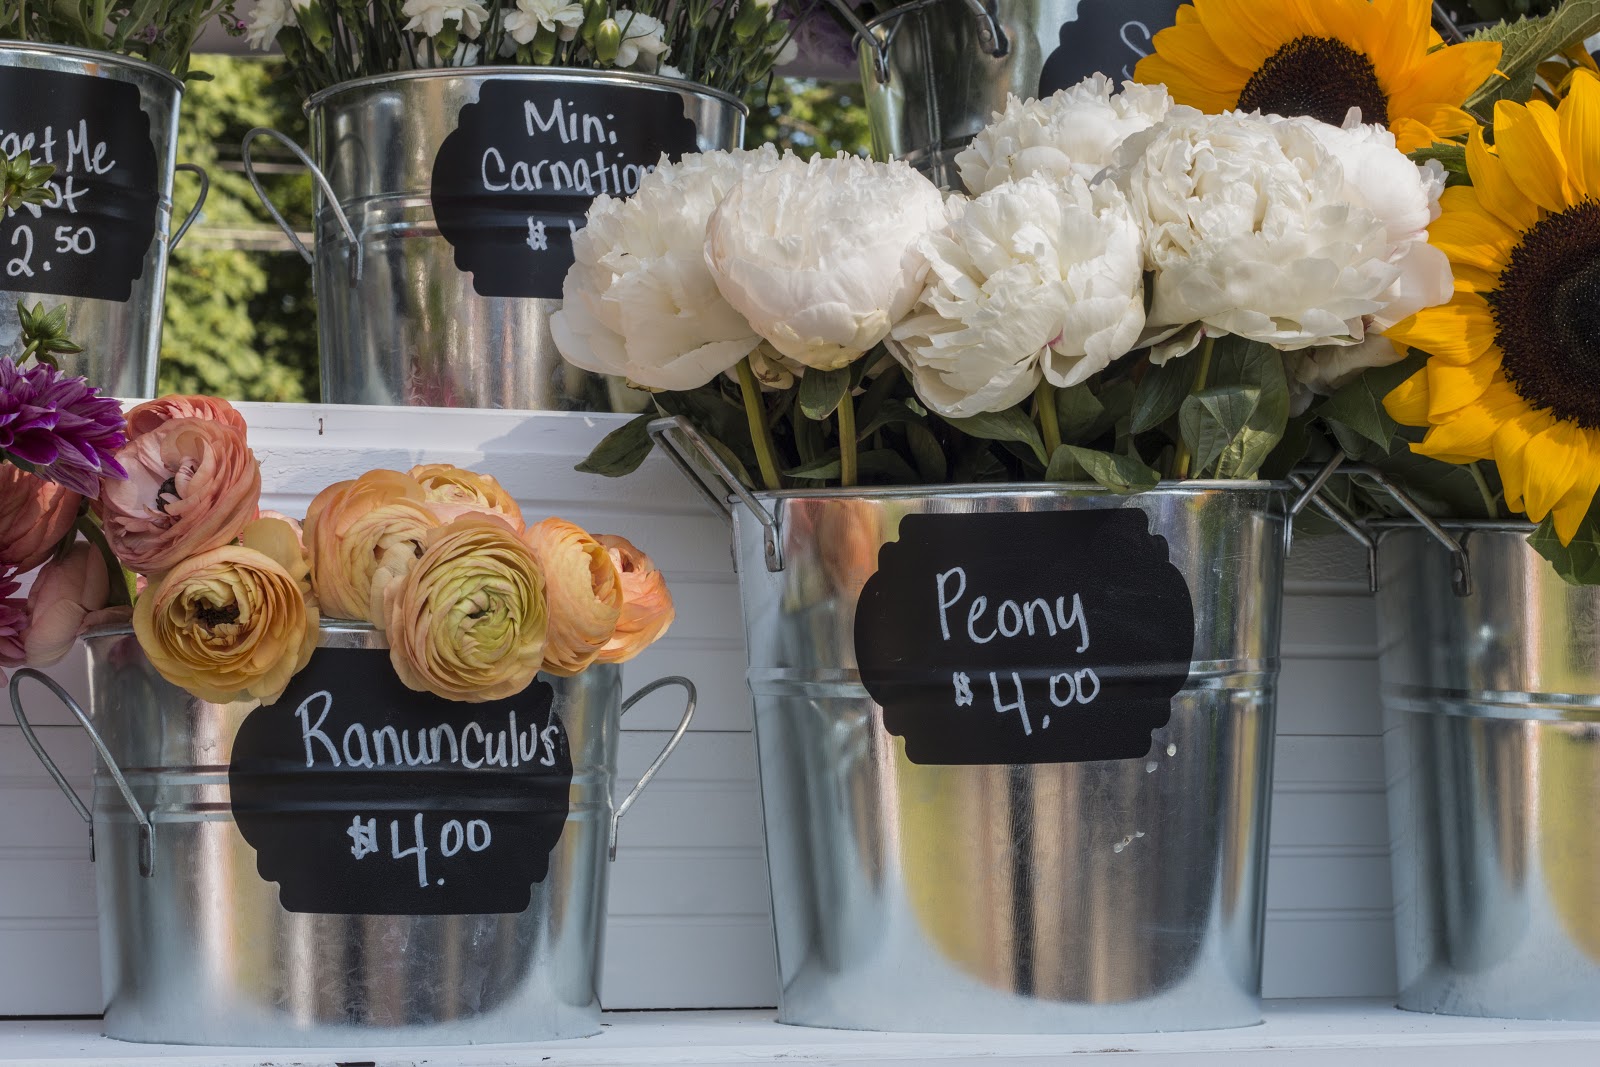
{"points": [[639, 301], [1074, 131], [643, 41], [525, 21], [270, 17], [429, 16], [1039, 276], [1248, 232], [821, 256]]}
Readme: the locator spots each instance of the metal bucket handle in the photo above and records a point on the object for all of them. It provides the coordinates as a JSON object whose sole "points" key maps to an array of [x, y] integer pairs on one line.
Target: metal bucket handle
{"points": [[991, 36], [681, 441], [194, 212], [147, 832], [322, 183], [672, 742]]}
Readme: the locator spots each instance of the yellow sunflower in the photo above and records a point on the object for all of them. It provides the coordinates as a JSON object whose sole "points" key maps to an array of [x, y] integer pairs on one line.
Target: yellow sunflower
{"points": [[1321, 58], [1513, 373]]}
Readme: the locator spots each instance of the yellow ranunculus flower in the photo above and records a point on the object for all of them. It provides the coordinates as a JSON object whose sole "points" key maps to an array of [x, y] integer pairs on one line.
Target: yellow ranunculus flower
{"points": [[466, 620], [460, 488], [585, 594], [347, 541], [235, 622]]}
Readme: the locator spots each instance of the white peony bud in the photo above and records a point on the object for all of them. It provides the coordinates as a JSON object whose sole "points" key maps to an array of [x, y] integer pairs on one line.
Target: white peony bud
{"points": [[638, 301], [1073, 131], [1036, 276], [821, 256]]}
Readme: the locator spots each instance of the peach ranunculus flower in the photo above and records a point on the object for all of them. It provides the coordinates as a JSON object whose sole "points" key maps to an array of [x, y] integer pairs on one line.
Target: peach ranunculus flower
{"points": [[342, 563], [647, 608], [34, 516], [234, 622], [193, 485], [68, 595], [451, 485], [152, 413], [467, 620], [585, 594]]}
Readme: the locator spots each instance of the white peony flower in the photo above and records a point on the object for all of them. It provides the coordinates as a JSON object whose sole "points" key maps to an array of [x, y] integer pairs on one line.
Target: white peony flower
{"points": [[639, 301], [1248, 231], [821, 256], [1036, 276], [643, 41], [1074, 131], [525, 21], [429, 16], [268, 18], [1326, 369]]}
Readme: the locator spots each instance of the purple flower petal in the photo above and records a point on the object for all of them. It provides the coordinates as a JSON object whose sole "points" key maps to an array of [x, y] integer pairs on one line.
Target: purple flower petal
{"points": [[60, 425]]}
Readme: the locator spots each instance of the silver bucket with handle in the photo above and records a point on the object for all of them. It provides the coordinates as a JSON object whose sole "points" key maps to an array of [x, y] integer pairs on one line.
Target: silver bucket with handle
{"points": [[98, 246], [446, 201], [1015, 747], [356, 864]]}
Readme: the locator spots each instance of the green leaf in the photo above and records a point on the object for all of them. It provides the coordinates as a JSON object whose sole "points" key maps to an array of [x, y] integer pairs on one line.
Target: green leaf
{"points": [[1578, 563], [622, 450], [890, 413], [1008, 425], [1358, 407], [1064, 467], [1237, 361], [927, 453], [1160, 394], [821, 391], [1212, 419], [881, 463], [1526, 43], [1448, 154], [1120, 474]]}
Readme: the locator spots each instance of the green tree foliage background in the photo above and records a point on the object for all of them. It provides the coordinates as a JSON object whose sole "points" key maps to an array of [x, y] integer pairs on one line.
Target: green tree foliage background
{"points": [[240, 319]]}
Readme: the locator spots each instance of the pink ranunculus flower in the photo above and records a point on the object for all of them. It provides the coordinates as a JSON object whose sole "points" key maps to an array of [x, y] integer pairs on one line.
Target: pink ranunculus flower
{"points": [[464, 490], [584, 592], [647, 608], [66, 595], [13, 624], [349, 527], [34, 516], [152, 413], [193, 485]]}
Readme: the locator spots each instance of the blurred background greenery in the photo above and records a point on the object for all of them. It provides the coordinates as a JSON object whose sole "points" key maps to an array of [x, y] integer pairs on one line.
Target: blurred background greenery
{"points": [[240, 318]]}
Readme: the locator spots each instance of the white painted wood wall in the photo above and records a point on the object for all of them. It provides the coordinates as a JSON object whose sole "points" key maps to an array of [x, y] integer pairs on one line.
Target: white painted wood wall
{"points": [[690, 919]]}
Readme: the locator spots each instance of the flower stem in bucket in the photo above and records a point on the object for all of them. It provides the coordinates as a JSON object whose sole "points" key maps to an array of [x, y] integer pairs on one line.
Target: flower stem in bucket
{"points": [[760, 432], [1180, 460], [1049, 423], [847, 440]]}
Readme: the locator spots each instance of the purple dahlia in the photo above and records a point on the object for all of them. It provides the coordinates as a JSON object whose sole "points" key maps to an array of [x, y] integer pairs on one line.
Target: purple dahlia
{"points": [[60, 427]]}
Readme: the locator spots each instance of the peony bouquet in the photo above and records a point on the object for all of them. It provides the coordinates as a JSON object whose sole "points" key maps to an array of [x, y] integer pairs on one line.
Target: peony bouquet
{"points": [[729, 45], [1218, 271], [473, 602], [162, 32]]}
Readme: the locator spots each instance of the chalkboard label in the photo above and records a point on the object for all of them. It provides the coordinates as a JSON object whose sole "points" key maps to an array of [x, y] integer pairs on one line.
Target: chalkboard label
{"points": [[91, 238], [1031, 637], [1108, 37], [511, 184], [362, 797]]}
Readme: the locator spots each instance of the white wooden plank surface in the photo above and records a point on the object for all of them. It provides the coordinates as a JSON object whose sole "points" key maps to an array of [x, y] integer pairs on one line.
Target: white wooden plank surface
{"points": [[690, 914]]}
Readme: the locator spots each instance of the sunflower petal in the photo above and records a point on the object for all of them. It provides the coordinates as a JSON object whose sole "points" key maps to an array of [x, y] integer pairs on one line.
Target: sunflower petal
{"points": [[1579, 119], [1469, 433], [1455, 385], [1456, 333], [1497, 193], [1468, 234], [1407, 403], [1403, 27], [1445, 76], [1528, 148], [1555, 462], [1511, 449], [1574, 505]]}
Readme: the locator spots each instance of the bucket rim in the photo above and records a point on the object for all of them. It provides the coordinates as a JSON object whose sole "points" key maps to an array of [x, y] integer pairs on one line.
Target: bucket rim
{"points": [[1402, 525], [96, 58], [345, 633], [529, 73], [973, 489]]}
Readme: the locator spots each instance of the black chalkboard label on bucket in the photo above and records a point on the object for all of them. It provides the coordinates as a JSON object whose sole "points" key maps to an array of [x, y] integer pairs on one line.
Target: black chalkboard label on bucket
{"points": [[91, 237], [1027, 637], [512, 182], [362, 797], [1108, 37]]}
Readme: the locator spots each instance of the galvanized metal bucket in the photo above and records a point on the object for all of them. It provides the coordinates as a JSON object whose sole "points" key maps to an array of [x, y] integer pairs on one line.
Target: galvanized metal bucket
{"points": [[936, 71], [197, 947], [398, 320], [121, 338], [1043, 897], [1491, 693]]}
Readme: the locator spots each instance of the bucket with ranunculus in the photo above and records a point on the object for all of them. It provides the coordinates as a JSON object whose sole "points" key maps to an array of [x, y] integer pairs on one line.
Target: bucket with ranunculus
{"points": [[357, 780]]}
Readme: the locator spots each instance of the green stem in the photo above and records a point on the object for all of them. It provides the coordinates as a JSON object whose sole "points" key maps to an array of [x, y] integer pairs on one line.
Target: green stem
{"points": [[1489, 503], [121, 596], [847, 440], [760, 432], [1181, 458], [1049, 422]]}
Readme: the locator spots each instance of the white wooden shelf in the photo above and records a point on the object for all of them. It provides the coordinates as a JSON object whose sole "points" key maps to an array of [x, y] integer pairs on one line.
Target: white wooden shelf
{"points": [[1296, 1032]]}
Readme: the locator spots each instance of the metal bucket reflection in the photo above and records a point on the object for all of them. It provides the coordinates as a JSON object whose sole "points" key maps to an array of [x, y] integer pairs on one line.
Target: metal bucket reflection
{"points": [[1492, 741], [1115, 896], [121, 339], [398, 321], [935, 71], [199, 950]]}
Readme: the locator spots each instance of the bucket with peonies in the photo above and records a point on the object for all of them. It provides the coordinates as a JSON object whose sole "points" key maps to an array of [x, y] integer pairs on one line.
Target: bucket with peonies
{"points": [[357, 777], [456, 147]]}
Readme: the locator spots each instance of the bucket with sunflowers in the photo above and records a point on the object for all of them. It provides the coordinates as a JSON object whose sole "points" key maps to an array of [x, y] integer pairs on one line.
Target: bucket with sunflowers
{"points": [[357, 774], [1011, 472]]}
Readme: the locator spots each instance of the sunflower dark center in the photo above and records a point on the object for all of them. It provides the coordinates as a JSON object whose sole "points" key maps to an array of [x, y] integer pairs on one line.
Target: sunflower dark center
{"points": [[218, 616], [1319, 77], [1547, 315]]}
